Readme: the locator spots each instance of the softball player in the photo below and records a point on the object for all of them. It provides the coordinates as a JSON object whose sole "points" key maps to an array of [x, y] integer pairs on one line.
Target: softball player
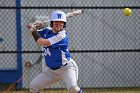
{"points": [[59, 65]]}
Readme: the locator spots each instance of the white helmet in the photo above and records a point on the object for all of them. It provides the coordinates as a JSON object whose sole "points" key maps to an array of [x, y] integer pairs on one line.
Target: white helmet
{"points": [[58, 16]]}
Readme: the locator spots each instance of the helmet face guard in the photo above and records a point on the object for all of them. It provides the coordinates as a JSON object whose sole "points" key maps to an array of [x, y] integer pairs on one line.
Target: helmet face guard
{"points": [[58, 16]]}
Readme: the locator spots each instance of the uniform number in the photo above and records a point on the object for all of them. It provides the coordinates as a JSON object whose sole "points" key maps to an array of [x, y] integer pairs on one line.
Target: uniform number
{"points": [[47, 52]]}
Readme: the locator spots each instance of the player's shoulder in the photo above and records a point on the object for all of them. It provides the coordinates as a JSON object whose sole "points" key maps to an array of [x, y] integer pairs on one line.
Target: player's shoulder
{"points": [[61, 34], [48, 28]]}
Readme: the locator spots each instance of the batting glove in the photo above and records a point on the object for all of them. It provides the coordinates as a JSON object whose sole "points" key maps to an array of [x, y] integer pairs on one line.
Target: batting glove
{"points": [[35, 26]]}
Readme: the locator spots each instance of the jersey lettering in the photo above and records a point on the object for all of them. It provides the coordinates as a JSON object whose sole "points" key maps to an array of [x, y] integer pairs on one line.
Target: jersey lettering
{"points": [[47, 52]]}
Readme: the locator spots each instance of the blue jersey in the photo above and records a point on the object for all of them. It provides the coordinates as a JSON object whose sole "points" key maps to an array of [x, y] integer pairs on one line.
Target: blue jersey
{"points": [[57, 54]]}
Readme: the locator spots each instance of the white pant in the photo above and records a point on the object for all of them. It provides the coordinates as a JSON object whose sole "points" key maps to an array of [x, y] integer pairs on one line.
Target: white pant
{"points": [[68, 73]]}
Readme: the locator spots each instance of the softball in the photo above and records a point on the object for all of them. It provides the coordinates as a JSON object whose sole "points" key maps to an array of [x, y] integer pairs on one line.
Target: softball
{"points": [[127, 12]]}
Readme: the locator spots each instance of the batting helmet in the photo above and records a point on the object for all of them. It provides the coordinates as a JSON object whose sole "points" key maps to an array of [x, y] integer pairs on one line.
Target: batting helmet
{"points": [[58, 16]]}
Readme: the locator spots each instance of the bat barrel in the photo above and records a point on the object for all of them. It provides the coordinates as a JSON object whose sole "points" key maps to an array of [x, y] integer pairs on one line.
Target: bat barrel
{"points": [[75, 13]]}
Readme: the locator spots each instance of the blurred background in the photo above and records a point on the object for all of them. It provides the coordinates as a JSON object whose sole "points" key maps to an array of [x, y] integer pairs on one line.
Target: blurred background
{"points": [[104, 43]]}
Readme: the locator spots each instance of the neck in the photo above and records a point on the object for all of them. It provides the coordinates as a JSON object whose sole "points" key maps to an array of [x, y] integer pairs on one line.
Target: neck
{"points": [[56, 31]]}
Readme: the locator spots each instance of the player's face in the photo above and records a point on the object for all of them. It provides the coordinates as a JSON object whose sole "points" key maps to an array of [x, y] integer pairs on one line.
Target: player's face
{"points": [[58, 25]]}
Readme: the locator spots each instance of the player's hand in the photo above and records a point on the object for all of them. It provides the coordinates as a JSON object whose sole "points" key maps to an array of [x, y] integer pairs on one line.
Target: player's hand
{"points": [[39, 24], [35, 26], [32, 27]]}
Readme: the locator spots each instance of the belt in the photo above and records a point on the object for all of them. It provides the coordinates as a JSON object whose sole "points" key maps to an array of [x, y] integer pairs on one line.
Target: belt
{"points": [[58, 67]]}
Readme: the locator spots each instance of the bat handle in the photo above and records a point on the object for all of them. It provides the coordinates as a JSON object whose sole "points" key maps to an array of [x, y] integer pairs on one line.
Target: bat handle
{"points": [[45, 24]]}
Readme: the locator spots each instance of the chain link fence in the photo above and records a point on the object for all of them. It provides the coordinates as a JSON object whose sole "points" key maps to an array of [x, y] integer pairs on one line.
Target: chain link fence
{"points": [[104, 43]]}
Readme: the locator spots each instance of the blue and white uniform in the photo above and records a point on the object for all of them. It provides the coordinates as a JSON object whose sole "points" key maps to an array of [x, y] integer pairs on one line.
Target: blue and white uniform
{"points": [[59, 65], [56, 55]]}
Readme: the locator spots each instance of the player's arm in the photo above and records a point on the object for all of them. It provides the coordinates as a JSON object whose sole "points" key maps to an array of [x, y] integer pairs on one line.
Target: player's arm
{"points": [[43, 42], [40, 41], [37, 37]]}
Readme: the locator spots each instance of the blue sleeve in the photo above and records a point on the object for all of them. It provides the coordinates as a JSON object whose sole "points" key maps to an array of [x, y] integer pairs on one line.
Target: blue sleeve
{"points": [[43, 31]]}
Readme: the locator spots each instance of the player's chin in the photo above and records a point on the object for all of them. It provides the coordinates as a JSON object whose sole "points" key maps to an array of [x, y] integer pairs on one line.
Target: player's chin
{"points": [[58, 29]]}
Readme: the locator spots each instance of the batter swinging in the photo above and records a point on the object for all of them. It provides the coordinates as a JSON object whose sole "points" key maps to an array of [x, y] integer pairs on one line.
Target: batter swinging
{"points": [[59, 65]]}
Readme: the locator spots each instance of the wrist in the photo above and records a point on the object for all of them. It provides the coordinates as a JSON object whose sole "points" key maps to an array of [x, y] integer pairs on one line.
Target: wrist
{"points": [[36, 35]]}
